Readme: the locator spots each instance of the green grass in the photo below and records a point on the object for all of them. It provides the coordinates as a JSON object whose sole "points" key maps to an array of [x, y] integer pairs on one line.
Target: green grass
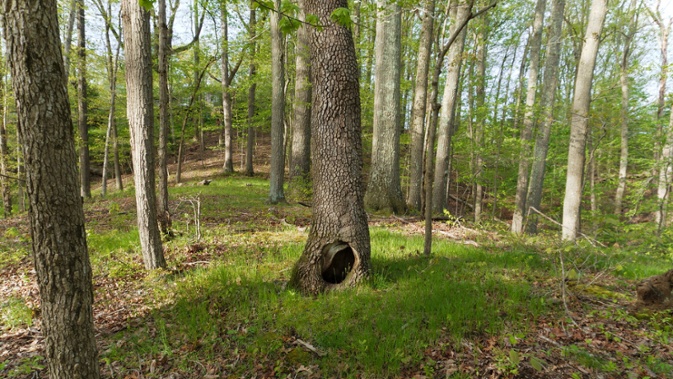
{"points": [[15, 313]]}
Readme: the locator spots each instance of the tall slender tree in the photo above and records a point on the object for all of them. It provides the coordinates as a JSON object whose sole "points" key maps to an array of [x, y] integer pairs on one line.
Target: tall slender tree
{"points": [[139, 109], [82, 105], [337, 252], [4, 148], [56, 213], [528, 119], [252, 72], [228, 165], [418, 111], [550, 85], [580, 120], [384, 191], [277, 170]]}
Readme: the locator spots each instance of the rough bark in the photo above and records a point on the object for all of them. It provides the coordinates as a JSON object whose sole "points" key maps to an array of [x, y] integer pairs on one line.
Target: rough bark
{"points": [[419, 108], [337, 252], [550, 83], [384, 190], [252, 70], [135, 21], [228, 165], [300, 156], [277, 169], [56, 213], [580, 121], [163, 212], [447, 112], [528, 120], [82, 105]]}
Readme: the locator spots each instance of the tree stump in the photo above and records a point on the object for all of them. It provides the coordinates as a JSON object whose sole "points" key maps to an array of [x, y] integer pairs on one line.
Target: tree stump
{"points": [[655, 292]]}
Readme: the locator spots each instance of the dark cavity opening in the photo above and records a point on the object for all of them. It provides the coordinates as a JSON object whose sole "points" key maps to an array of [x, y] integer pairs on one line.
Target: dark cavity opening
{"points": [[337, 261]]}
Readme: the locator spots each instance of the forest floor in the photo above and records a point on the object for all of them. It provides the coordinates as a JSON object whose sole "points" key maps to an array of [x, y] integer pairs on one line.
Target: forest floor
{"points": [[484, 305]]}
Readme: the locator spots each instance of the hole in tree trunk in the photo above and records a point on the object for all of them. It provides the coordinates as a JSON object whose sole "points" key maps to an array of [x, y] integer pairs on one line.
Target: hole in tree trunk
{"points": [[337, 261]]}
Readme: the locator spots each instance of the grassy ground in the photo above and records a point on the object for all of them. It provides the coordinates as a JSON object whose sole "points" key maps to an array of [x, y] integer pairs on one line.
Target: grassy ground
{"points": [[483, 305]]}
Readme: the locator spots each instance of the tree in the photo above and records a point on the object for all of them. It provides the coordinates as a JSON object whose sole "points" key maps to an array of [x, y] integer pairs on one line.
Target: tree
{"points": [[252, 72], [136, 25], [528, 120], [4, 150], [337, 252], [550, 84], [163, 213], [56, 212], [228, 165], [419, 107], [82, 106], [624, 111], [384, 191], [277, 170], [300, 159], [580, 121], [449, 101]]}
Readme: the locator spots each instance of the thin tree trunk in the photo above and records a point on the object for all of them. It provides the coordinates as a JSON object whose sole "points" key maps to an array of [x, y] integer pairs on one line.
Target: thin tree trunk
{"points": [[56, 213], [141, 119], [624, 111], [163, 212], [4, 151], [665, 174], [449, 100], [250, 146], [228, 166], [82, 106], [528, 120], [418, 111], [580, 120], [664, 32], [112, 67], [67, 45], [277, 169], [550, 84], [300, 159], [481, 53]]}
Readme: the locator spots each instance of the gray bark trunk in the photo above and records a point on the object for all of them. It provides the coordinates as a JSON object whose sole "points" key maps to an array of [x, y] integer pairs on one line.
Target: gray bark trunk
{"points": [[480, 92], [300, 159], [56, 215], [112, 68], [447, 113], [140, 114], [277, 169], [337, 253], [228, 166], [550, 83], [67, 45], [4, 148], [528, 120], [82, 106], [580, 120], [163, 212], [384, 191], [419, 108], [250, 145]]}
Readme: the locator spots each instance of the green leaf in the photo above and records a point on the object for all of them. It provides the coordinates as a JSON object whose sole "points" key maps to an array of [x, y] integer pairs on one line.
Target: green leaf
{"points": [[313, 20], [537, 363], [147, 4], [288, 25], [263, 4], [514, 357], [289, 8], [342, 16]]}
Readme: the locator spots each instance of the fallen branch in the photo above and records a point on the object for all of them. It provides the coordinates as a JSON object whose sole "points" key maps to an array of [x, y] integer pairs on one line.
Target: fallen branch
{"points": [[592, 241]]}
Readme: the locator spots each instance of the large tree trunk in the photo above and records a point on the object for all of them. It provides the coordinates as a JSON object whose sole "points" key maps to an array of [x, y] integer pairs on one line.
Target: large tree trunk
{"points": [[250, 145], [82, 106], [384, 190], [337, 252], [56, 214], [528, 120], [163, 212], [277, 169], [300, 157], [550, 83], [419, 108], [140, 114], [228, 166], [449, 101], [580, 121]]}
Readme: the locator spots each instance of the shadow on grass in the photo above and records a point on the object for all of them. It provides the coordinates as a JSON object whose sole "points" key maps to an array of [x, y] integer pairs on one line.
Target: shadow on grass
{"points": [[237, 318]]}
